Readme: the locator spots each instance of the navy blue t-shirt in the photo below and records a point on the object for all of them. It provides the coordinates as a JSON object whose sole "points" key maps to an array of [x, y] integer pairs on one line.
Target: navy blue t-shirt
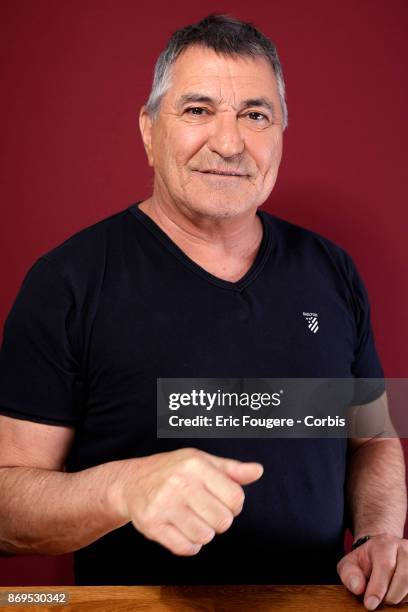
{"points": [[102, 316]]}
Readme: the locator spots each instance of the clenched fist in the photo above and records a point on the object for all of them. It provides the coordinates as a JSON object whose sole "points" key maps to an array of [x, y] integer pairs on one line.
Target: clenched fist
{"points": [[182, 498]]}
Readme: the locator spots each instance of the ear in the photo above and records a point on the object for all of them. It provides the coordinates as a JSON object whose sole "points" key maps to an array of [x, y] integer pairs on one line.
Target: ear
{"points": [[145, 125]]}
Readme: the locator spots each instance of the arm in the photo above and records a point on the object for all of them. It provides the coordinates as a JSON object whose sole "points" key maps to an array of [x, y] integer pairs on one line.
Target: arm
{"points": [[44, 510], [375, 488], [179, 499], [376, 497]]}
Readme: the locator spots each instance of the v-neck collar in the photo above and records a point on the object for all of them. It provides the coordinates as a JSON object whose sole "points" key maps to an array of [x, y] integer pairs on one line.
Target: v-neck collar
{"points": [[256, 267]]}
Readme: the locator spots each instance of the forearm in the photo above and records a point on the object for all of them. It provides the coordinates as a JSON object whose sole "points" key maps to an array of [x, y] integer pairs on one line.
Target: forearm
{"points": [[376, 489], [50, 512]]}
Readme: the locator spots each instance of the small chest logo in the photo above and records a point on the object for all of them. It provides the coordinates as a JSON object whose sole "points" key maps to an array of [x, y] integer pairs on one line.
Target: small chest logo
{"points": [[312, 321]]}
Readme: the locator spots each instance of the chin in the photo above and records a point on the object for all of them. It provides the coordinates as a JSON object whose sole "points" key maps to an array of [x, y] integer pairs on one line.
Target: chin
{"points": [[220, 208]]}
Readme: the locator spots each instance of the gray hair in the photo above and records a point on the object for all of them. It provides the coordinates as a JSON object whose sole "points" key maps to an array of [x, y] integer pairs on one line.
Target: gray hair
{"points": [[226, 36]]}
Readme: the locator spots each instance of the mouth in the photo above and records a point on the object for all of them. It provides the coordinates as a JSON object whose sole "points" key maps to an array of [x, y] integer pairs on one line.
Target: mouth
{"points": [[223, 173]]}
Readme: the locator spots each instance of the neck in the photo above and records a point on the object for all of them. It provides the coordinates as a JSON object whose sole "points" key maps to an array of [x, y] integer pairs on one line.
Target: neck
{"points": [[233, 237], [225, 248]]}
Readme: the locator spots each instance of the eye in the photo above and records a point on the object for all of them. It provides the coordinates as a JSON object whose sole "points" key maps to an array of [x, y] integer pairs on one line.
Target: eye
{"points": [[256, 116], [197, 111]]}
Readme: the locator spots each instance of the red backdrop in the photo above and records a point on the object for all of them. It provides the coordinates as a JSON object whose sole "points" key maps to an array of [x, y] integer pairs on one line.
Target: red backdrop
{"points": [[75, 74]]}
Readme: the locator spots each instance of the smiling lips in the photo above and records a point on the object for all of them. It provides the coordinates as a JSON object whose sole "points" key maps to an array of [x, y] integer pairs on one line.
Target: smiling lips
{"points": [[222, 173]]}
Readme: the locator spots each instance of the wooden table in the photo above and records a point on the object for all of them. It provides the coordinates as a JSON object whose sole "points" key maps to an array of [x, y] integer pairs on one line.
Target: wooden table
{"points": [[310, 598]]}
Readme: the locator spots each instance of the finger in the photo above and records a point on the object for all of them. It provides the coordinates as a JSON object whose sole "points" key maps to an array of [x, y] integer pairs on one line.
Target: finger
{"points": [[243, 472], [172, 538], [398, 588], [198, 472], [352, 576], [191, 525], [211, 510], [383, 564]]}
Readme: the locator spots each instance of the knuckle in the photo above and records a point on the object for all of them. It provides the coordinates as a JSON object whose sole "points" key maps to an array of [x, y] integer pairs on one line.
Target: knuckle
{"points": [[187, 453], [207, 536], [176, 481], [192, 464], [224, 523], [237, 500], [151, 530], [386, 564], [185, 550]]}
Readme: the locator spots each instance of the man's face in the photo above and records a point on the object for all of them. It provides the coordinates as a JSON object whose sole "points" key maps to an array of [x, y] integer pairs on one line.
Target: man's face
{"points": [[216, 143]]}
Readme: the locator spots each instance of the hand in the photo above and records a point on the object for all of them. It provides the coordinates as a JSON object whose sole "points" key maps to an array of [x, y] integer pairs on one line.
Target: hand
{"points": [[182, 498], [383, 562]]}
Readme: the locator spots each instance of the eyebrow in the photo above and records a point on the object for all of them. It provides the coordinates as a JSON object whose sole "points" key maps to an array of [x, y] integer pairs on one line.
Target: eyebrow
{"points": [[197, 97], [262, 102]]}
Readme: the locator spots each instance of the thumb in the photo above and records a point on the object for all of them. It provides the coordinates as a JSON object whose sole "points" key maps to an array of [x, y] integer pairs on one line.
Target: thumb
{"points": [[243, 472], [352, 576]]}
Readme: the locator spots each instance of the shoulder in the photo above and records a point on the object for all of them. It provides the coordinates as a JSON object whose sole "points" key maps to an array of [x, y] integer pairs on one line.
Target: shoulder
{"points": [[89, 247], [298, 238], [76, 269], [313, 249]]}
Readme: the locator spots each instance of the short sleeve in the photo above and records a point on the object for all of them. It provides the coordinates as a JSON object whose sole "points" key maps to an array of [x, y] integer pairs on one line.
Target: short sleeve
{"points": [[366, 366], [39, 374]]}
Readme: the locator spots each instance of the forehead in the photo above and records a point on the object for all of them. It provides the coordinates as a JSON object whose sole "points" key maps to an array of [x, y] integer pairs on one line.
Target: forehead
{"points": [[201, 69]]}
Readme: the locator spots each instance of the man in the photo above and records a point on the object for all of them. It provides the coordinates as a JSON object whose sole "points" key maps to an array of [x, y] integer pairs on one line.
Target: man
{"points": [[195, 282]]}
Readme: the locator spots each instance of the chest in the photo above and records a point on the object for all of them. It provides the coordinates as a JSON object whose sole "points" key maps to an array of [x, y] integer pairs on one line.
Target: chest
{"points": [[161, 325], [272, 328]]}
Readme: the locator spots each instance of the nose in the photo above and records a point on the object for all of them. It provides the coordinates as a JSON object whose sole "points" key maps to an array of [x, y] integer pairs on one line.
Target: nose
{"points": [[225, 137]]}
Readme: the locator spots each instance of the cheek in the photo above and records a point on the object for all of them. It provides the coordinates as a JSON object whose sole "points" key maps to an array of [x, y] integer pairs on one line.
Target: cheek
{"points": [[190, 141], [159, 146], [270, 155]]}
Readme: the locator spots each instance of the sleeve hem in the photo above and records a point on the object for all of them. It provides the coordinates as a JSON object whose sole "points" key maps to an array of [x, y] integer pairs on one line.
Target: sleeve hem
{"points": [[370, 396], [36, 419]]}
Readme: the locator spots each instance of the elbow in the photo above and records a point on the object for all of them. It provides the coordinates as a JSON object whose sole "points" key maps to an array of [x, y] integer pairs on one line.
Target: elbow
{"points": [[13, 546]]}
